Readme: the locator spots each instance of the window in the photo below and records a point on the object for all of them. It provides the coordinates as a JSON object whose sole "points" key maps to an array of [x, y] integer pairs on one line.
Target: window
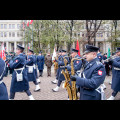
{"points": [[107, 35], [1, 34], [18, 26], [13, 34], [9, 34], [18, 35], [1, 26], [101, 35], [5, 26], [13, 26], [82, 34], [5, 34], [98, 35], [74, 34], [21, 34], [9, 26], [78, 34]]}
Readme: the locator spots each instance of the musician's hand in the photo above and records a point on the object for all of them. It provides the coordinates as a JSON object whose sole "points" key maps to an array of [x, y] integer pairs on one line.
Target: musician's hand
{"points": [[58, 65], [65, 67], [73, 78], [56, 60], [110, 61]]}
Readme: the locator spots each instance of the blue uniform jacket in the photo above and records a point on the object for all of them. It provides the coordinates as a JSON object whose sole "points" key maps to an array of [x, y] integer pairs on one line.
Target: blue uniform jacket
{"points": [[91, 78], [3, 89], [31, 62], [16, 63], [116, 74], [77, 64], [40, 62], [61, 63]]}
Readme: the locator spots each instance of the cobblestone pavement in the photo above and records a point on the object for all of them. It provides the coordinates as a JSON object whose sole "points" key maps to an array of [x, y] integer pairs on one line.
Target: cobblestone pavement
{"points": [[46, 86]]}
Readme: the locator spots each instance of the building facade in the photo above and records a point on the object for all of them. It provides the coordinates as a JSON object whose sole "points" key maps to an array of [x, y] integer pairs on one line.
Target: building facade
{"points": [[10, 34]]}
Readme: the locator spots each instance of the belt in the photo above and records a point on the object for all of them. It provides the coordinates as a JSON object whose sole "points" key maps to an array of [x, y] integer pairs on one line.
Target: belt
{"points": [[92, 89], [62, 66], [116, 68], [29, 66], [1, 81], [86, 88], [19, 69]]}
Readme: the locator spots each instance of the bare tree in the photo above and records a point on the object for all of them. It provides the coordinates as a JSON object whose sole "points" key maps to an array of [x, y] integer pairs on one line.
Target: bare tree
{"points": [[115, 24], [92, 27]]}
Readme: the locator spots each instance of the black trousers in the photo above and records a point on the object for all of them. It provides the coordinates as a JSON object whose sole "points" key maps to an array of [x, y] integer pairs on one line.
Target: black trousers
{"points": [[40, 72], [114, 93], [59, 83], [12, 95], [35, 82]]}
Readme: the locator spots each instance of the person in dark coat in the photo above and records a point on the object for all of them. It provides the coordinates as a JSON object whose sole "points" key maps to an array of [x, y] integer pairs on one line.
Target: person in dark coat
{"points": [[30, 66], [91, 77], [40, 63], [115, 74], [19, 81], [48, 63], [3, 88]]}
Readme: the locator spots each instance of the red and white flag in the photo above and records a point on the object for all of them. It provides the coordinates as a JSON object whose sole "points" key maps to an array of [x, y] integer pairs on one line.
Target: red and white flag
{"points": [[28, 22], [54, 54], [23, 25], [77, 48], [31, 21], [3, 52], [28, 46]]}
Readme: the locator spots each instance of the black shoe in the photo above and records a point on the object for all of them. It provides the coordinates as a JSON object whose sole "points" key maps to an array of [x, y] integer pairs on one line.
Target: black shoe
{"points": [[37, 90], [53, 90]]}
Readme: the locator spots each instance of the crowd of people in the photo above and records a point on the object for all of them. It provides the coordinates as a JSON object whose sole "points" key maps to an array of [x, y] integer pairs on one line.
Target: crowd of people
{"points": [[90, 71]]}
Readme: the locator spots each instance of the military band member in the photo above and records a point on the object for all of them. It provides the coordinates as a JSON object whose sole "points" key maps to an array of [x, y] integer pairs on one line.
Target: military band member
{"points": [[19, 81], [77, 63], [3, 88], [40, 63], [37, 77], [62, 67], [57, 75], [92, 76], [115, 74], [30, 63]]}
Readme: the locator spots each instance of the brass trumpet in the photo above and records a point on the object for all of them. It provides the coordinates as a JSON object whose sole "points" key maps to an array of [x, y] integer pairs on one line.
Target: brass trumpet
{"points": [[112, 57]]}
